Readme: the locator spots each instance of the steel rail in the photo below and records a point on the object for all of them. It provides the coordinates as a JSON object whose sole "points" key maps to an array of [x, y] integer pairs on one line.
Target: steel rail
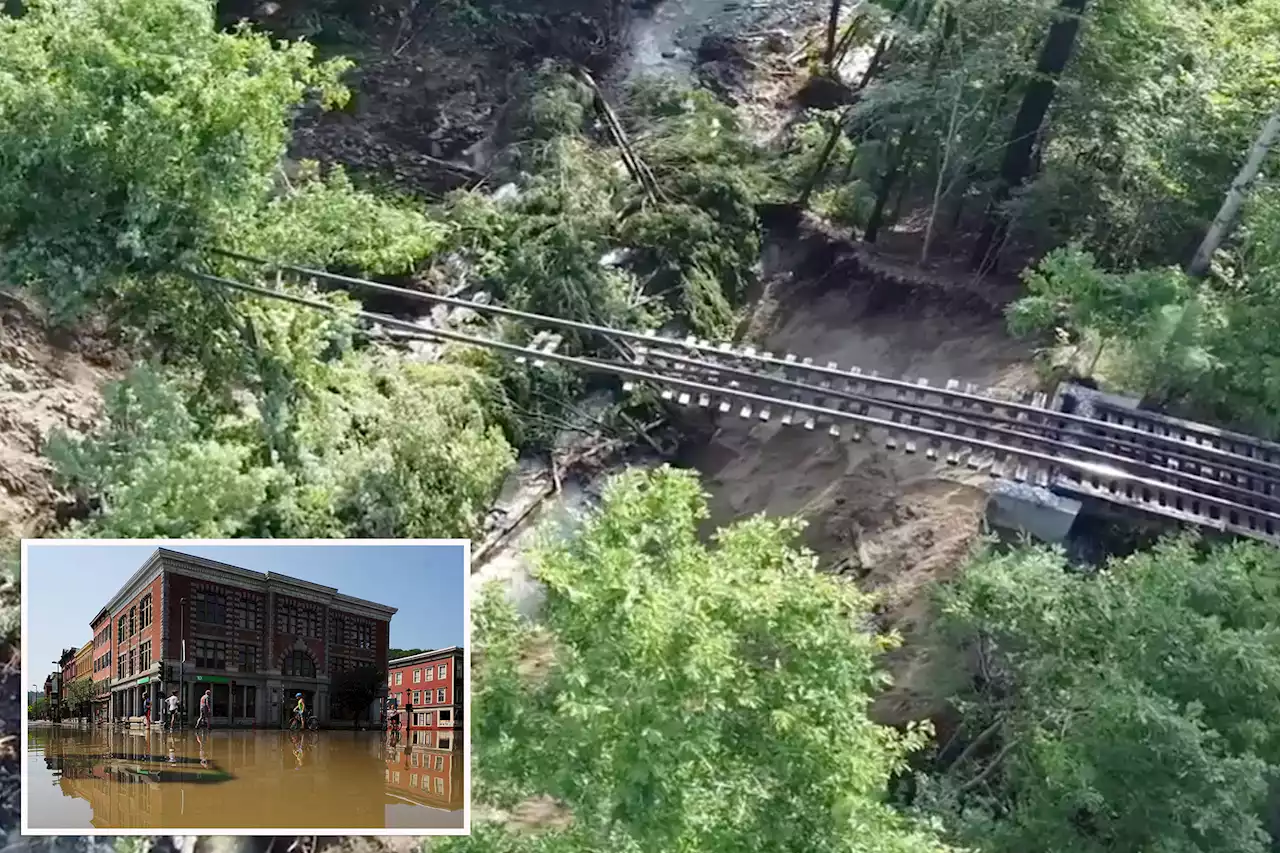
{"points": [[1156, 496], [651, 339], [1004, 430]]}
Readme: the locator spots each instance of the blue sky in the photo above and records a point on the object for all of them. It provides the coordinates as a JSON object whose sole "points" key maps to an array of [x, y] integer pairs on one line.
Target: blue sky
{"points": [[66, 586]]}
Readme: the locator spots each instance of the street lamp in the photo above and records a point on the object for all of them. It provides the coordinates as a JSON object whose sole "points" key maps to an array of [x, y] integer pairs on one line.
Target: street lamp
{"points": [[182, 659]]}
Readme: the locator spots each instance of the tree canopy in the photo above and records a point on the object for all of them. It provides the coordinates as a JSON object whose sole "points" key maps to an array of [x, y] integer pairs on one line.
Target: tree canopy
{"points": [[680, 695]]}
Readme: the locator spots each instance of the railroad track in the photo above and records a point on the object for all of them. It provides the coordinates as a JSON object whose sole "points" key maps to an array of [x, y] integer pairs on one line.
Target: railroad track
{"points": [[1078, 442]]}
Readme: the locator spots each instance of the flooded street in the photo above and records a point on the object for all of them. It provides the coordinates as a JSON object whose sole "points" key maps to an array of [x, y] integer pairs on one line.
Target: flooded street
{"points": [[100, 779]]}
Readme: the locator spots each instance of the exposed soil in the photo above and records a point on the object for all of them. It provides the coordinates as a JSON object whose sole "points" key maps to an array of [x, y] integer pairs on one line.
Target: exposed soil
{"points": [[895, 523], [49, 379], [432, 87]]}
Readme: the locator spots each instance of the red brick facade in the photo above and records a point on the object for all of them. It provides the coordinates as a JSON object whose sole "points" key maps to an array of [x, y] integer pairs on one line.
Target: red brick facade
{"points": [[253, 640], [135, 631], [431, 684]]}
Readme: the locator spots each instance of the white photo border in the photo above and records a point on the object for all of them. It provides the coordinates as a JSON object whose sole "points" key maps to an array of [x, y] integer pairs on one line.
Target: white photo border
{"points": [[178, 544]]}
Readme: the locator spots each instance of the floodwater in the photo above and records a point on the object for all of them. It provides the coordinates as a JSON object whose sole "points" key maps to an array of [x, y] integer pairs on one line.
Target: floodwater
{"points": [[82, 779]]}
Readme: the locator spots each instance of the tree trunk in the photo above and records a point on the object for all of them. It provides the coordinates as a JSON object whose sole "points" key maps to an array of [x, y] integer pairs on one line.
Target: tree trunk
{"points": [[876, 220], [1018, 151], [1230, 210], [947, 29], [837, 128], [833, 21]]}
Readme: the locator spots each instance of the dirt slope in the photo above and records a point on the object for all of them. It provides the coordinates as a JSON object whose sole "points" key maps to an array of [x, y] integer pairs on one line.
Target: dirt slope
{"points": [[895, 523], [48, 380]]}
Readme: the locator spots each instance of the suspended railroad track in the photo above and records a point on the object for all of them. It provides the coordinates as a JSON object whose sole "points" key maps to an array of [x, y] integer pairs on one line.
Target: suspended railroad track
{"points": [[1078, 443]]}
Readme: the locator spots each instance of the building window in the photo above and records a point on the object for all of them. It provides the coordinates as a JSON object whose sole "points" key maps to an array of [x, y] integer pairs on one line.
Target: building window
{"points": [[398, 677], [417, 697], [446, 717], [351, 631], [446, 742], [210, 654], [133, 621], [246, 613], [123, 630], [430, 672], [120, 668], [145, 613], [413, 760], [417, 676], [413, 780], [299, 663], [440, 696], [133, 661], [210, 607], [298, 618], [144, 662], [442, 671], [439, 762], [439, 785], [426, 718], [248, 658]]}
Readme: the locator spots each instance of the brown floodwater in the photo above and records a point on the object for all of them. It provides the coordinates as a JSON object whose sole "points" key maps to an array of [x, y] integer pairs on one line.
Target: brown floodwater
{"points": [[105, 779]]}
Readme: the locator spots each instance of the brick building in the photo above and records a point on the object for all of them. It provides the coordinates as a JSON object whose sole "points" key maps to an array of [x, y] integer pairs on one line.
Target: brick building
{"points": [[431, 684], [254, 639], [103, 658]]}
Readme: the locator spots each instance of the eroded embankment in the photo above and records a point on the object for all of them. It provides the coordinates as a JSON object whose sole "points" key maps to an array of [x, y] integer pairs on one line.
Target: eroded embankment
{"points": [[893, 522]]}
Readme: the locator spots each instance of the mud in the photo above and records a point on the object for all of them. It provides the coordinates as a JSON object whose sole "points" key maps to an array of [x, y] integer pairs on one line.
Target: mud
{"points": [[432, 86], [49, 379], [893, 523]]}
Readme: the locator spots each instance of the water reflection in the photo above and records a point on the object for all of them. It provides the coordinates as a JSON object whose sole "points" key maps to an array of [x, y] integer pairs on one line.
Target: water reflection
{"points": [[101, 779]]}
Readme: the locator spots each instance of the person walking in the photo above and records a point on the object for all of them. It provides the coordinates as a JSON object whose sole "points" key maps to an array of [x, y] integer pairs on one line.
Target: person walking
{"points": [[206, 709], [146, 709], [171, 710]]}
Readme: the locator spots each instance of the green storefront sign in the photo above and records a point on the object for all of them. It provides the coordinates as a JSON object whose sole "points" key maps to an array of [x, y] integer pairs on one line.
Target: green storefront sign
{"points": [[144, 680], [213, 679]]}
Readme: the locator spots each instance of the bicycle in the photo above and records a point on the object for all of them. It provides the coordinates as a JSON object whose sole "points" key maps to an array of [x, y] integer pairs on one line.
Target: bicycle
{"points": [[312, 724]]}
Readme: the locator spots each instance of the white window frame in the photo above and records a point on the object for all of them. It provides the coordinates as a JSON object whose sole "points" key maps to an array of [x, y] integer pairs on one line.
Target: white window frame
{"points": [[417, 676]]}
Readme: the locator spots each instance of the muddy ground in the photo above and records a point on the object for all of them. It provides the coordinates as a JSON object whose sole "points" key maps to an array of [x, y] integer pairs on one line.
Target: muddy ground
{"points": [[893, 522]]}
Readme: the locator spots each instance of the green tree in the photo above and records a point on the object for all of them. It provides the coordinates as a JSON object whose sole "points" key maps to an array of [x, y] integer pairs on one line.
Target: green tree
{"points": [[132, 131], [354, 690], [686, 696], [1134, 709], [378, 448], [76, 696]]}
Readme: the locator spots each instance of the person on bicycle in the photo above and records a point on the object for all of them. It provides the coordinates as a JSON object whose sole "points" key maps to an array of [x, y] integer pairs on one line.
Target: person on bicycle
{"points": [[206, 709], [300, 712]]}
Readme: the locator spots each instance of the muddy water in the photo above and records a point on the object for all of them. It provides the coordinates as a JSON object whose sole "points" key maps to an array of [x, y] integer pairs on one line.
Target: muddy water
{"points": [[226, 780], [662, 40]]}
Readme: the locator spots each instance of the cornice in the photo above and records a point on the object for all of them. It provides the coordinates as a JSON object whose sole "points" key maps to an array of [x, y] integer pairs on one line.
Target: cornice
{"points": [[423, 657]]}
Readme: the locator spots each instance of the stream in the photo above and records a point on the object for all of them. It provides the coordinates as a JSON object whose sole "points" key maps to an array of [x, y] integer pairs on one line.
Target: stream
{"points": [[663, 39]]}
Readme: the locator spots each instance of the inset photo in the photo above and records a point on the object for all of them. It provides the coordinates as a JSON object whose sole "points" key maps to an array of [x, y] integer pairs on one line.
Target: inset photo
{"points": [[246, 687]]}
